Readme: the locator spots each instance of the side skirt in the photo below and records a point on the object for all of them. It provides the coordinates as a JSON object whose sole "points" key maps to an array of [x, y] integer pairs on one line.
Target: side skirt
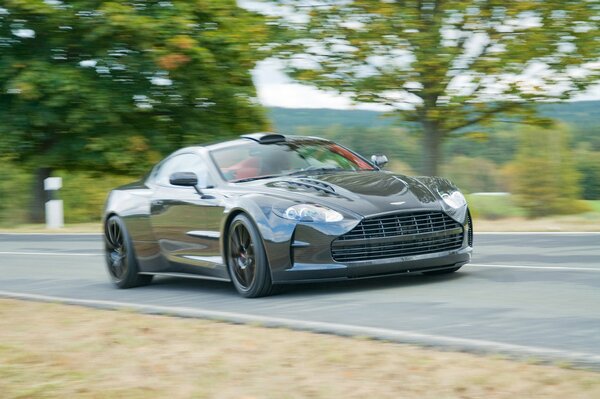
{"points": [[187, 275]]}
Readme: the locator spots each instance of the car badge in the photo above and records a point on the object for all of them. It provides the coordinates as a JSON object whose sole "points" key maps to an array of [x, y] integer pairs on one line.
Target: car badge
{"points": [[398, 203]]}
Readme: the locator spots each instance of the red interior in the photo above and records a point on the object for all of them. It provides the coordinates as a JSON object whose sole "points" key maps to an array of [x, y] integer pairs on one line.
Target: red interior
{"points": [[244, 169]]}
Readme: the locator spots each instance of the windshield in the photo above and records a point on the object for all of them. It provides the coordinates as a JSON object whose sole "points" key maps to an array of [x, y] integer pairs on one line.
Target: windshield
{"points": [[252, 160]]}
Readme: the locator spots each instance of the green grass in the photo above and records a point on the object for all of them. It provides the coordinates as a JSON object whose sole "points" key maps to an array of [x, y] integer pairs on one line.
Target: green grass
{"points": [[493, 207], [595, 205]]}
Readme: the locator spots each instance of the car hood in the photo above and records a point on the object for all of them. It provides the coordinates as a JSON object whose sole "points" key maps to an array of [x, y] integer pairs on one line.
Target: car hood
{"points": [[365, 192]]}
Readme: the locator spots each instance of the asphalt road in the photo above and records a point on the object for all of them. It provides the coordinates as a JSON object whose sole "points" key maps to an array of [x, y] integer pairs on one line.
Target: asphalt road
{"points": [[529, 291]]}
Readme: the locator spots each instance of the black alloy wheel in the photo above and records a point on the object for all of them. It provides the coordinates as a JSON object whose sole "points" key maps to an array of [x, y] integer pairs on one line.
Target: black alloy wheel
{"points": [[246, 259], [120, 258]]}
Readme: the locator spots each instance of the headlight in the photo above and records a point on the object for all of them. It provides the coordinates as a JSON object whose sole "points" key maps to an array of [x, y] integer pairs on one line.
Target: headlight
{"points": [[312, 213], [455, 199]]}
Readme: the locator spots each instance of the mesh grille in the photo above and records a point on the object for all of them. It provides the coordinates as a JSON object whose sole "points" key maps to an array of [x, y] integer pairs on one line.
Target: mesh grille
{"points": [[397, 235]]}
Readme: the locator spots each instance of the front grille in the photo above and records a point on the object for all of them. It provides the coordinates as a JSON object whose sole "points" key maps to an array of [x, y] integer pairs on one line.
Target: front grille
{"points": [[396, 235]]}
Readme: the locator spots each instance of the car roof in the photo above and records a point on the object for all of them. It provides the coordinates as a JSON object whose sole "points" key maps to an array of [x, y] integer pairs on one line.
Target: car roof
{"points": [[264, 138], [254, 137]]}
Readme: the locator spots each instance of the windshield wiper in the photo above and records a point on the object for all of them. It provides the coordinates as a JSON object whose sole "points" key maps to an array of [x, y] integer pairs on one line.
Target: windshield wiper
{"points": [[310, 170], [254, 178]]}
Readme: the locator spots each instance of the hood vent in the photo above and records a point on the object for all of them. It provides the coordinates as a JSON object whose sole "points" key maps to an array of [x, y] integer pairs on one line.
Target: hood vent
{"points": [[308, 184]]}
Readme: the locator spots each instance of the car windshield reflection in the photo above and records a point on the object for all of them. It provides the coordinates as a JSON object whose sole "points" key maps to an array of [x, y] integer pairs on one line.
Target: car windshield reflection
{"points": [[252, 161]]}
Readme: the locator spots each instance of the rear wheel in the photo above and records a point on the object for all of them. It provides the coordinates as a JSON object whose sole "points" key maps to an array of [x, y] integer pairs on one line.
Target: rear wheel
{"points": [[443, 271], [247, 260], [120, 258]]}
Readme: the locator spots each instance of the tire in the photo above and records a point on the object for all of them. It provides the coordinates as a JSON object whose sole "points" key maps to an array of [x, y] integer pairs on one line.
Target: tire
{"points": [[246, 259], [443, 271], [121, 263]]}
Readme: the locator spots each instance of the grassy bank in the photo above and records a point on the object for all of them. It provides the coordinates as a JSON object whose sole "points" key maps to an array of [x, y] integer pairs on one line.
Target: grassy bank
{"points": [[57, 351]]}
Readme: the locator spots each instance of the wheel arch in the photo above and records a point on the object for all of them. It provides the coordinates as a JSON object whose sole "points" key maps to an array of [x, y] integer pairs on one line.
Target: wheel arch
{"points": [[224, 236]]}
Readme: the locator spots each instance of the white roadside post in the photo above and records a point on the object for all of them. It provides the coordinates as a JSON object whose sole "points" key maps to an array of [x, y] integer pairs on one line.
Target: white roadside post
{"points": [[54, 207]]}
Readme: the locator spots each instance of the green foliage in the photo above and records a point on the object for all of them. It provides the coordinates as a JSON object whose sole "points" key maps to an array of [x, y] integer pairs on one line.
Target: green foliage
{"points": [[474, 174], [588, 164], [499, 145], [113, 85], [546, 179], [14, 193], [459, 63], [493, 207], [84, 193], [394, 142], [287, 120]]}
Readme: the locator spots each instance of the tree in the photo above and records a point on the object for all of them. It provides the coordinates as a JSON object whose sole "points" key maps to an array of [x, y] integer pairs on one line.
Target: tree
{"points": [[447, 66], [588, 164], [110, 86], [546, 180], [474, 174]]}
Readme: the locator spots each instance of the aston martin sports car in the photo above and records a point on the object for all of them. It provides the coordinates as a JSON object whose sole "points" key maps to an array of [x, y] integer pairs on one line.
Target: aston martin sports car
{"points": [[268, 209]]}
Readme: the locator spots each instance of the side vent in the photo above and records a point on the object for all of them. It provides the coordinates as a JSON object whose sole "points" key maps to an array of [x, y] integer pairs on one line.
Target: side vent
{"points": [[306, 184], [265, 138]]}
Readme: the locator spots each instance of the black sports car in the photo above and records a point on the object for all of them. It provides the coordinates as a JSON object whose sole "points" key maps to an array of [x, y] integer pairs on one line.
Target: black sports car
{"points": [[268, 209]]}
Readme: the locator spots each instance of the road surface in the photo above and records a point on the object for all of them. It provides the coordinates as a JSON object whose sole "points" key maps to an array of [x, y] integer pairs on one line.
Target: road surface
{"points": [[534, 293]]}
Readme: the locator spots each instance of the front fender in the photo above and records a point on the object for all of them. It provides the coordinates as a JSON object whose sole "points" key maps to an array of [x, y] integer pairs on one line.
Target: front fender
{"points": [[277, 232], [438, 185]]}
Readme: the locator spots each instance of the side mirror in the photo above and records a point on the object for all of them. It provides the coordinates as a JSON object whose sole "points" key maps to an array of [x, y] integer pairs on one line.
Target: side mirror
{"points": [[379, 160], [184, 179]]}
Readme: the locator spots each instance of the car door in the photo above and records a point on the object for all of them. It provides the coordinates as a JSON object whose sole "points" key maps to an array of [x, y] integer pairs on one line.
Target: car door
{"points": [[185, 223]]}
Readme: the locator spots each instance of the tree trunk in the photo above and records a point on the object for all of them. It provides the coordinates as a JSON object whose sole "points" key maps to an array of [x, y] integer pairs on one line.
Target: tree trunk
{"points": [[432, 149], [37, 209]]}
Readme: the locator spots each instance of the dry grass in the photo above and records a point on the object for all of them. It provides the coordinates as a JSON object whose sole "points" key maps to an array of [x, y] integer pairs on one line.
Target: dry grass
{"points": [[58, 351], [41, 228]]}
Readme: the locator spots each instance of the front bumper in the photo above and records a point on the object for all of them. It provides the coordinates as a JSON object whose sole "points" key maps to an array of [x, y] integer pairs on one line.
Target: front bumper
{"points": [[307, 254], [307, 272]]}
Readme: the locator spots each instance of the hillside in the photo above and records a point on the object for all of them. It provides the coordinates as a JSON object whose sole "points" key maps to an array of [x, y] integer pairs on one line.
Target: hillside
{"points": [[583, 117]]}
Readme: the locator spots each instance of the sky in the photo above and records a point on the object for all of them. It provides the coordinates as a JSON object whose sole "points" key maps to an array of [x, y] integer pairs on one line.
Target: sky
{"points": [[275, 89]]}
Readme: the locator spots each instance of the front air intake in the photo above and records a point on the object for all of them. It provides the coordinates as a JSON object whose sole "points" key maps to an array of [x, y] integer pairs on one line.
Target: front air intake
{"points": [[397, 235]]}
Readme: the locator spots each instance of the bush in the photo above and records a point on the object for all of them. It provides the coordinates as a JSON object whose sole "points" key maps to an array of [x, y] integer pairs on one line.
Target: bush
{"points": [[15, 194], [473, 174], [588, 164], [546, 181], [493, 207], [83, 194]]}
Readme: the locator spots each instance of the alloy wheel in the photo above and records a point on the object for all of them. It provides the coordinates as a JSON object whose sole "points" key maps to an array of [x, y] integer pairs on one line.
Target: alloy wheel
{"points": [[116, 251], [242, 256]]}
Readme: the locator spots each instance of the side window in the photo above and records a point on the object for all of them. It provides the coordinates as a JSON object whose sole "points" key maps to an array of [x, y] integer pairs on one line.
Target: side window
{"points": [[179, 163]]}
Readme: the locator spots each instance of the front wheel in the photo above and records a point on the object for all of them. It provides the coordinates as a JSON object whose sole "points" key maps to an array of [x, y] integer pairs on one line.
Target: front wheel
{"points": [[120, 259], [247, 260]]}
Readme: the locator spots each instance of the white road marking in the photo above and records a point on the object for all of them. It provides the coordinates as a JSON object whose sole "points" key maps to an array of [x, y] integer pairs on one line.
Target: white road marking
{"points": [[476, 233], [44, 233], [563, 268], [46, 253], [586, 269], [543, 233], [401, 336]]}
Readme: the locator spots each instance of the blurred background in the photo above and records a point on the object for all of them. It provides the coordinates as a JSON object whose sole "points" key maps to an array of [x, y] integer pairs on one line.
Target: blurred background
{"points": [[502, 97]]}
